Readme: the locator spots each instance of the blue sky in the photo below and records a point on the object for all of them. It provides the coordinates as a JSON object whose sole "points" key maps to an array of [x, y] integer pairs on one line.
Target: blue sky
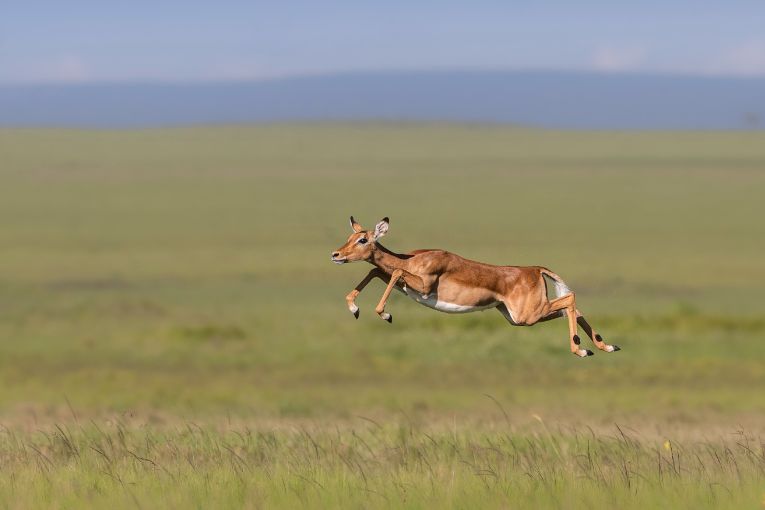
{"points": [[179, 41]]}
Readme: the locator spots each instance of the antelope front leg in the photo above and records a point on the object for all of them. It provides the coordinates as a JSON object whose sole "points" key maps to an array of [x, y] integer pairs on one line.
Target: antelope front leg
{"points": [[350, 299], [381, 305]]}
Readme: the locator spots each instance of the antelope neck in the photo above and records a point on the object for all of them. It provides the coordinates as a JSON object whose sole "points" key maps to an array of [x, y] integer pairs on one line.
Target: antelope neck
{"points": [[386, 259]]}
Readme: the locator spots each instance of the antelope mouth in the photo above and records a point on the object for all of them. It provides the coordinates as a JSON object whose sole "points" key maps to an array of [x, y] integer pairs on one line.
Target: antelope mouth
{"points": [[339, 261]]}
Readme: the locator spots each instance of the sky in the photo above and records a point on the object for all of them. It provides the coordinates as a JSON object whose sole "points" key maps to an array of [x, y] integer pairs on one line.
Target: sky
{"points": [[77, 41]]}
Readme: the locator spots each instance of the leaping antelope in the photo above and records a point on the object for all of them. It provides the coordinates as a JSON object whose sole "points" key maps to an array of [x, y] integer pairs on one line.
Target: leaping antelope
{"points": [[449, 283]]}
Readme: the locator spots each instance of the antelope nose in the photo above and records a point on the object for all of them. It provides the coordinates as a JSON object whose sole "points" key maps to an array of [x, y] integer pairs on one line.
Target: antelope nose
{"points": [[335, 254]]}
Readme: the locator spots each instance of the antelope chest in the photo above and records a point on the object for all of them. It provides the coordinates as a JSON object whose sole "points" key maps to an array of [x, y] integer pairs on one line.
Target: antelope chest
{"points": [[432, 301]]}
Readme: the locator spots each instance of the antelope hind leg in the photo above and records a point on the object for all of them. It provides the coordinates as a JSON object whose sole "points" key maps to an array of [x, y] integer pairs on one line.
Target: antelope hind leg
{"points": [[596, 338], [567, 304]]}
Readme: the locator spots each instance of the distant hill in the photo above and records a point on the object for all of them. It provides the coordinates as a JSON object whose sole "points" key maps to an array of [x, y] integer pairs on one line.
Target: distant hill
{"points": [[546, 99]]}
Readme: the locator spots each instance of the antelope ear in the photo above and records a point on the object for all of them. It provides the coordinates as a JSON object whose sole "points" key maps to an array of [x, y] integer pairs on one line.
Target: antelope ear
{"points": [[381, 228], [355, 226]]}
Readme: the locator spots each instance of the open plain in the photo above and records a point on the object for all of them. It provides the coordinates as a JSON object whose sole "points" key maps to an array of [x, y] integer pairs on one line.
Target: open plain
{"points": [[173, 334]]}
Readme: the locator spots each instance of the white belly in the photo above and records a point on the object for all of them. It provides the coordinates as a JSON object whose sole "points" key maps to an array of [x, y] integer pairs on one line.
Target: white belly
{"points": [[431, 301]]}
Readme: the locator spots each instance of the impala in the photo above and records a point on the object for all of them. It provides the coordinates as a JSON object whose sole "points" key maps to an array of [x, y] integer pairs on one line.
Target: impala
{"points": [[449, 283]]}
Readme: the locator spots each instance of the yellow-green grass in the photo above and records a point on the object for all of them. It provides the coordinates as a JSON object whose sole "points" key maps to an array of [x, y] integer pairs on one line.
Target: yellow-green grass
{"points": [[368, 465], [167, 277]]}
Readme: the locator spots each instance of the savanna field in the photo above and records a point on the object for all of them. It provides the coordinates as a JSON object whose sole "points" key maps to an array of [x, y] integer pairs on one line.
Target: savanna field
{"points": [[173, 334]]}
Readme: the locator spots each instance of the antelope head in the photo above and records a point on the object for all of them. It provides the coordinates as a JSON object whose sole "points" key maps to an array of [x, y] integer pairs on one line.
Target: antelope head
{"points": [[361, 243]]}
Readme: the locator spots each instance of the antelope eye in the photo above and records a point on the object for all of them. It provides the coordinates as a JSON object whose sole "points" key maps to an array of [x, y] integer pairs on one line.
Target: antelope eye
{"points": [[363, 240]]}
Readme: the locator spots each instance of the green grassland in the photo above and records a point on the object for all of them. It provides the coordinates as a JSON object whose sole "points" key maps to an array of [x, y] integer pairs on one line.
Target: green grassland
{"points": [[172, 332]]}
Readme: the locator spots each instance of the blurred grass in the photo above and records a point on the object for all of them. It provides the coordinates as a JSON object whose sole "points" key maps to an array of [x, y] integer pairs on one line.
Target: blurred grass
{"points": [[183, 275]]}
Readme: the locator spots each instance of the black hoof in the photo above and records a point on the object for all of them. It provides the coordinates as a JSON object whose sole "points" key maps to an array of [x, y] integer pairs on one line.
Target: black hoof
{"points": [[389, 319], [589, 352], [616, 348], [356, 314]]}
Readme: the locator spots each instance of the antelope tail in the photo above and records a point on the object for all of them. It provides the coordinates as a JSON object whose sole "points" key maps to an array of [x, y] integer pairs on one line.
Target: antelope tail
{"points": [[559, 287]]}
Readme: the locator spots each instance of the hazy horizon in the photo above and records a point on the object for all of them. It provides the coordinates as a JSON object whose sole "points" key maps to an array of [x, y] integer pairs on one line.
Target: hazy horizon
{"points": [[589, 65], [568, 100]]}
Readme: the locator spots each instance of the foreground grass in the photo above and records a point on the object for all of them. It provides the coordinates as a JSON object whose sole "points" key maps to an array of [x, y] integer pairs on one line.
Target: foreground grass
{"points": [[369, 465]]}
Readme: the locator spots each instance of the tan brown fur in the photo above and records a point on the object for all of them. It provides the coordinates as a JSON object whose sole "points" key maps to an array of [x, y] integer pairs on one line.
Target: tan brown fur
{"points": [[519, 292]]}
